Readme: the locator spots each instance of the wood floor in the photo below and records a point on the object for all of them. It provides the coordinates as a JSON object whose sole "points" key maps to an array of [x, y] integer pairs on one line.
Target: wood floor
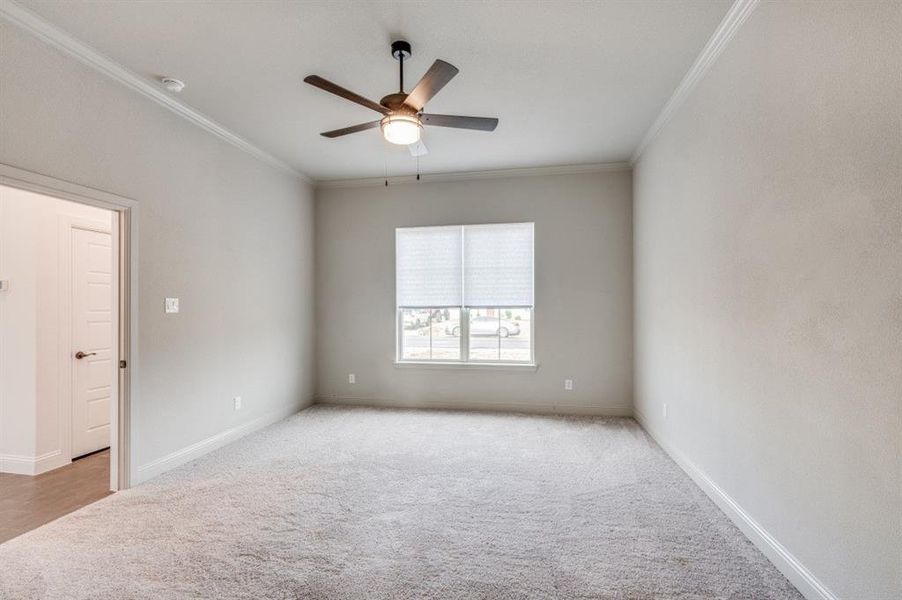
{"points": [[29, 502]]}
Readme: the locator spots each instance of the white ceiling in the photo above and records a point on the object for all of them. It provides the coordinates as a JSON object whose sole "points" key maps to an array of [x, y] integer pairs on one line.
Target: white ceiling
{"points": [[571, 82]]}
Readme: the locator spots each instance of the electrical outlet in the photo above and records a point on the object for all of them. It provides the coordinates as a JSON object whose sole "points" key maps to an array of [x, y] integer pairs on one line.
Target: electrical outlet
{"points": [[352, 378], [568, 385], [665, 410], [237, 402]]}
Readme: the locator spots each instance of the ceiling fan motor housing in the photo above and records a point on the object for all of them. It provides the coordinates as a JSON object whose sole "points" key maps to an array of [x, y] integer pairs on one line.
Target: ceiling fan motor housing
{"points": [[395, 102]]}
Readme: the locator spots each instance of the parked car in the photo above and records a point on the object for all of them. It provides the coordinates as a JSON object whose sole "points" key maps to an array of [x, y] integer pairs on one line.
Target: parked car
{"points": [[486, 326]]}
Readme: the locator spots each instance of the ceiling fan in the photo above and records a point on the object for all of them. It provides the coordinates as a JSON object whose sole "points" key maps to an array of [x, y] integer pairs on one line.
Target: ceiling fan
{"points": [[403, 117]]}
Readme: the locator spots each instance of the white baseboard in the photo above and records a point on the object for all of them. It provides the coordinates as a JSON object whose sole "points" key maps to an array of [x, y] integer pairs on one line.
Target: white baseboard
{"points": [[549, 408], [806, 582], [16, 465], [49, 461], [32, 465], [198, 449]]}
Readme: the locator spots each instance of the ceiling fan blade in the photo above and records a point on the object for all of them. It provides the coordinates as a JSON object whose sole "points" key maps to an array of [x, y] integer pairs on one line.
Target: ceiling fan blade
{"points": [[480, 123], [435, 79], [352, 129], [418, 149], [324, 84]]}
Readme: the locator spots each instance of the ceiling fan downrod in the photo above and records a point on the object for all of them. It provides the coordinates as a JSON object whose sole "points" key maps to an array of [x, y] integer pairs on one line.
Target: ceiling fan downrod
{"points": [[400, 50]]}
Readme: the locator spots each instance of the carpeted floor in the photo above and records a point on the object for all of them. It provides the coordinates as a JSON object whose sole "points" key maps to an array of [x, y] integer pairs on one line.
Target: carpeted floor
{"points": [[369, 503]]}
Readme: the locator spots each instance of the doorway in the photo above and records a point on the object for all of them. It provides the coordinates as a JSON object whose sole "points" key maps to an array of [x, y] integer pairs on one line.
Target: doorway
{"points": [[65, 341]]}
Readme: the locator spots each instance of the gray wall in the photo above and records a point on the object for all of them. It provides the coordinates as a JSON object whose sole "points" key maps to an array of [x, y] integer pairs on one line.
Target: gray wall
{"points": [[583, 261], [768, 259], [227, 234]]}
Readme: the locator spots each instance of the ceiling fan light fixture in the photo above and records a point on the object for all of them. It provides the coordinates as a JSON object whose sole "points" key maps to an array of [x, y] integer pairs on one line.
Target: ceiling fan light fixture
{"points": [[401, 129]]}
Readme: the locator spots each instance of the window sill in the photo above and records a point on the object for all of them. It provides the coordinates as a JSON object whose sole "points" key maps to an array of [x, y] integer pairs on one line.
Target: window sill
{"points": [[486, 366]]}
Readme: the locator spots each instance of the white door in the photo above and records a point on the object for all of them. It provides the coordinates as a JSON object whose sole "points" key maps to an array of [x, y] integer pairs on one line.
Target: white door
{"points": [[92, 337]]}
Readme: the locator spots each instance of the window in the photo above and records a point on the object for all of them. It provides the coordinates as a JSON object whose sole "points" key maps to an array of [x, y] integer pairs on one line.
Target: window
{"points": [[464, 293]]}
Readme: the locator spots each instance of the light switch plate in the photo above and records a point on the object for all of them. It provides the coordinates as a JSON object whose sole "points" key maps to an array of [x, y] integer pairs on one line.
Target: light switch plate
{"points": [[568, 385], [171, 305], [352, 378], [4, 285]]}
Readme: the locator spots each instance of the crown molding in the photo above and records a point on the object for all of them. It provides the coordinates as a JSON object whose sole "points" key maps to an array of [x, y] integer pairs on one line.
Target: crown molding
{"points": [[475, 175], [52, 35], [735, 17]]}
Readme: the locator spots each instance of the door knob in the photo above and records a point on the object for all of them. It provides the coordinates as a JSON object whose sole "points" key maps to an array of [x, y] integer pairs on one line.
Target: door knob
{"points": [[80, 355]]}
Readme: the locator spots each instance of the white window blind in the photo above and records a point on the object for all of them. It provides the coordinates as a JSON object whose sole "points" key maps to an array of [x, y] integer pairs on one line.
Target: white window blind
{"points": [[470, 265], [498, 265], [428, 265]]}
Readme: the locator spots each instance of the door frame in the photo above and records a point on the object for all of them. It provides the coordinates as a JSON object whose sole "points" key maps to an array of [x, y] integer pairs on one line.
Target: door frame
{"points": [[127, 346]]}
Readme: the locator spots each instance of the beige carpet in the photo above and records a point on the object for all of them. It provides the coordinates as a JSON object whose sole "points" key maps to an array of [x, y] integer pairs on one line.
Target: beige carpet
{"points": [[367, 503]]}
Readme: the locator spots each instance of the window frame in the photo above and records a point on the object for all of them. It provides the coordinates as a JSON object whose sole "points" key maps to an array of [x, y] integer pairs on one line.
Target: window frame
{"points": [[464, 340]]}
